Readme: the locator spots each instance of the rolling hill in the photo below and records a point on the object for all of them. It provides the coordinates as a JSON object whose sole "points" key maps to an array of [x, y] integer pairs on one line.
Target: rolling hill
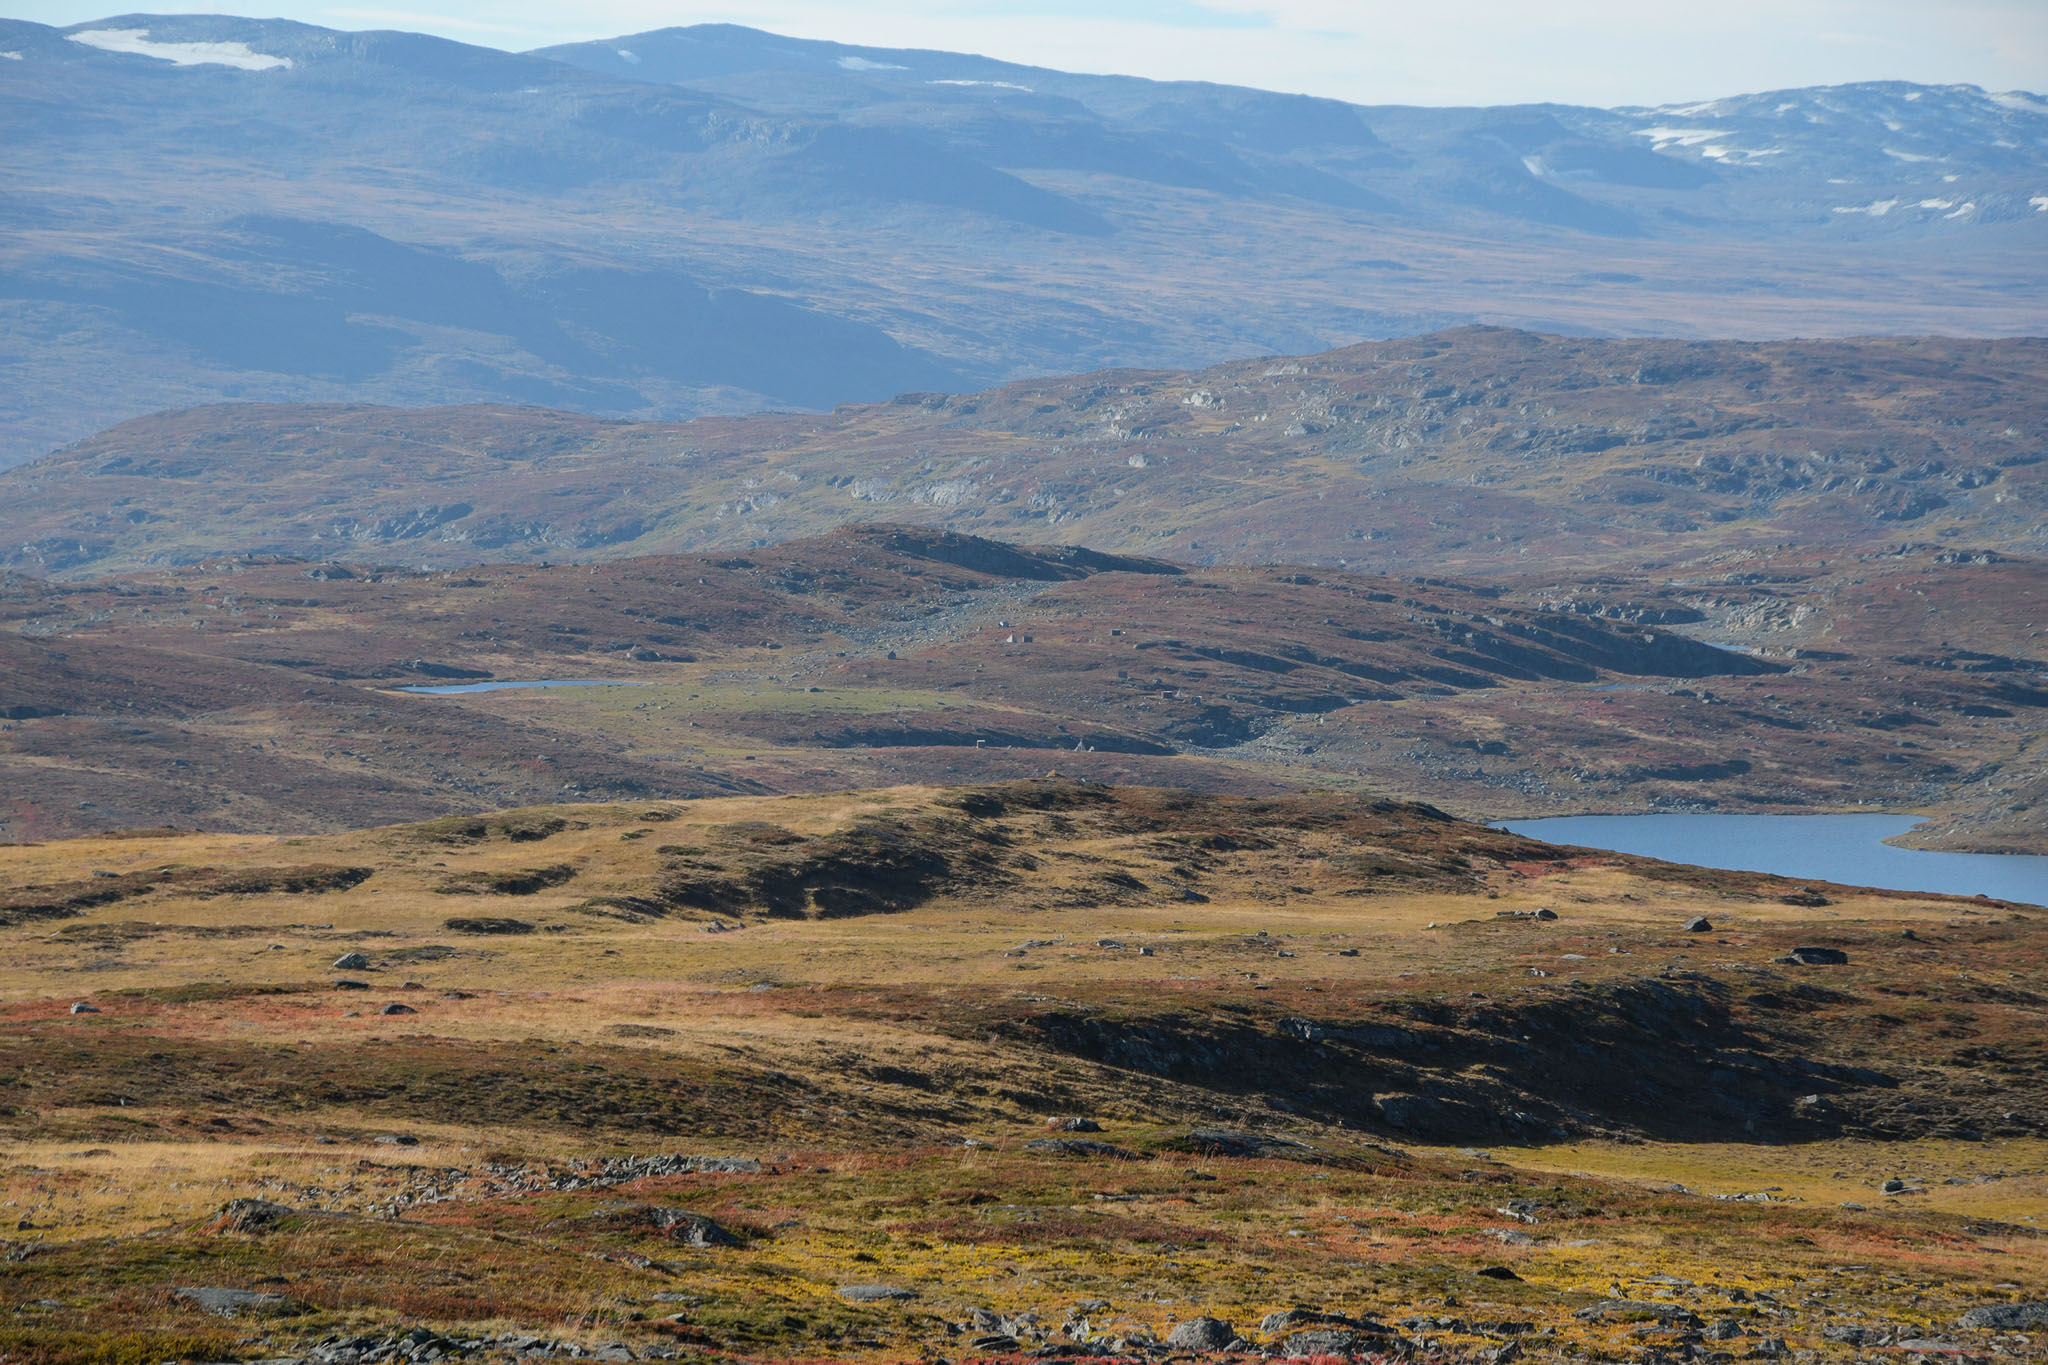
{"points": [[1479, 452], [257, 695]]}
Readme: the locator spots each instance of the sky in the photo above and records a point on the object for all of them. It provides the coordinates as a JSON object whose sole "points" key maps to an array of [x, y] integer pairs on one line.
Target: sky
{"points": [[1600, 52]]}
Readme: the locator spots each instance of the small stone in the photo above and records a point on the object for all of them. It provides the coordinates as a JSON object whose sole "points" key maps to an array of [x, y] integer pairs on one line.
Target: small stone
{"points": [[398, 1009], [1201, 1334], [82, 1008], [342, 983], [1893, 1186], [1073, 1125], [351, 962], [1497, 1272]]}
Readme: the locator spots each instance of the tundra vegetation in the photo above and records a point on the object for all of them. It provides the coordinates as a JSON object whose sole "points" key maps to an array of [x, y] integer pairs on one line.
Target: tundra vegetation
{"points": [[1040, 1067]]}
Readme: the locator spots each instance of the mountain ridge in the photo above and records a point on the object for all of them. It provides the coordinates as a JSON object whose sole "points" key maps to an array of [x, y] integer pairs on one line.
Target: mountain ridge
{"points": [[185, 223]]}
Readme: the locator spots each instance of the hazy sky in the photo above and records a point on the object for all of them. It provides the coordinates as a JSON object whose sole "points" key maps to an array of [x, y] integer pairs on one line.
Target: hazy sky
{"points": [[1372, 51]]}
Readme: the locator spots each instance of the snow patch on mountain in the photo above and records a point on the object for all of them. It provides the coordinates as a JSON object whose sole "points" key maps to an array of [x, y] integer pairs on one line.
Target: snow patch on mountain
{"points": [[864, 64], [1662, 137], [2020, 100], [11, 56], [136, 41], [1877, 209], [998, 85]]}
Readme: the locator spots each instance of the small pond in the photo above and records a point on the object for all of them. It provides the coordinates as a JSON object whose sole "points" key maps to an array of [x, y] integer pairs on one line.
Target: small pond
{"points": [[1834, 848], [450, 689]]}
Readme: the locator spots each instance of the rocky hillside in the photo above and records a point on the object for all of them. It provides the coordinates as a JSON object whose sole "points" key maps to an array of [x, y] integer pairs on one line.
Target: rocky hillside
{"points": [[1476, 451]]}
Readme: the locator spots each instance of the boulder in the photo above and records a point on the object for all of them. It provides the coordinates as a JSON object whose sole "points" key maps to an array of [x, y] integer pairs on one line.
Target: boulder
{"points": [[1639, 1310], [875, 1293], [1326, 1341], [398, 1009], [351, 962], [2006, 1317], [1292, 1319], [1082, 1147], [677, 1225], [1201, 1334], [1814, 957], [1699, 924], [251, 1215], [1073, 1125], [1232, 1142], [234, 1303], [82, 1008]]}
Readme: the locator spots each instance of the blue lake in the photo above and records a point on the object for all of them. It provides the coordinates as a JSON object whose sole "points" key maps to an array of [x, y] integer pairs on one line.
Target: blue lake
{"points": [[450, 689], [1833, 848]]}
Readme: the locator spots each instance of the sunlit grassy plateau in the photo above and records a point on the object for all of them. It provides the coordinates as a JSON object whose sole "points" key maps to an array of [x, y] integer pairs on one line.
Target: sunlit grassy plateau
{"points": [[1337, 1058]]}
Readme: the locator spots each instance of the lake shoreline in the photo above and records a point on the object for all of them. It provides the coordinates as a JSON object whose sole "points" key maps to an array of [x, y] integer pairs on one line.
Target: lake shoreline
{"points": [[1844, 848]]}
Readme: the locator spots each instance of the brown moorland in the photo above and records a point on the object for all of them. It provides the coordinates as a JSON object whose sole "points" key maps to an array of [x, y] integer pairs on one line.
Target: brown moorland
{"points": [[259, 695], [1066, 1065]]}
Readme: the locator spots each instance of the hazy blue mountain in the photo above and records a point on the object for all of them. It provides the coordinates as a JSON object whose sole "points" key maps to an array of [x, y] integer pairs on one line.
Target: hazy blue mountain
{"points": [[718, 219]]}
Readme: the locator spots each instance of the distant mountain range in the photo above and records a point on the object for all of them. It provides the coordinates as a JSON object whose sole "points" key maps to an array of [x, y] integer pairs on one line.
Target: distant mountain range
{"points": [[716, 219]]}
